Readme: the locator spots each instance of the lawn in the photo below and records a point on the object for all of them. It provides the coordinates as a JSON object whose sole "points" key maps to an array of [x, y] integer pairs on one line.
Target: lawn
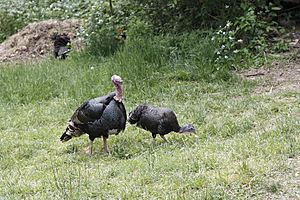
{"points": [[245, 147]]}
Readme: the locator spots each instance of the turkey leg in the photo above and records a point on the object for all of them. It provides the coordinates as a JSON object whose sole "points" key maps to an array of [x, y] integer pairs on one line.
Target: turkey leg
{"points": [[164, 138], [89, 149], [105, 146]]}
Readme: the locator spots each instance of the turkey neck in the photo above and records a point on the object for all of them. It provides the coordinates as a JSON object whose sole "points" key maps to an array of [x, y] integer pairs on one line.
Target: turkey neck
{"points": [[119, 92]]}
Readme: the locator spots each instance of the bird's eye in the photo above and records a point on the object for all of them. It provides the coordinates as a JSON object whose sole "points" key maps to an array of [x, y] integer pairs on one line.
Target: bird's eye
{"points": [[70, 128]]}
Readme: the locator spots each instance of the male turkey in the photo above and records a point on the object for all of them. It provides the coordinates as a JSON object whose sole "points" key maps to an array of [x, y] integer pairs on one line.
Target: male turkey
{"points": [[158, 121], [99, 117]]}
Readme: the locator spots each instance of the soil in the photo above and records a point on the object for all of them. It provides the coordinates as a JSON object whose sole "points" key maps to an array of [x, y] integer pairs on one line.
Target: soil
{"points": [[34, 40], [283, 75], [280, 76]]}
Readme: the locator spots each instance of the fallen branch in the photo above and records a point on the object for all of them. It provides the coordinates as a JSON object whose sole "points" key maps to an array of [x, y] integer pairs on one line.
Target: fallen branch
{"points": [[256, 74]]}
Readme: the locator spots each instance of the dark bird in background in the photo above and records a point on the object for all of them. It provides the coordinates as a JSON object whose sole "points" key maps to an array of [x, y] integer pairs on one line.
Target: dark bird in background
{"points": [[158, 121], [99, 117], [61, 45], [121, 34]]}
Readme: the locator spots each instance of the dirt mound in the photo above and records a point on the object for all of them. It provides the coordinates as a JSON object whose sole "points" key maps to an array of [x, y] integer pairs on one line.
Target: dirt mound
{"points": [[34, 40]]}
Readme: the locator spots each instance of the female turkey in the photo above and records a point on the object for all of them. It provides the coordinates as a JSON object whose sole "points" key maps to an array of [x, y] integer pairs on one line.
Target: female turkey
{"points": [[99, 117], [158, 121]]}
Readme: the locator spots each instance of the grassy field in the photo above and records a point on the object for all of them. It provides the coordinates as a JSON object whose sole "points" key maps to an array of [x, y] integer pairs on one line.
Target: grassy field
{"points": [[246, 141]]}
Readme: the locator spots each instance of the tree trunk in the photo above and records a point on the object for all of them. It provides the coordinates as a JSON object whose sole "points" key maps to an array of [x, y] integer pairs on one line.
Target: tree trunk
{"points": [[111, 8]]}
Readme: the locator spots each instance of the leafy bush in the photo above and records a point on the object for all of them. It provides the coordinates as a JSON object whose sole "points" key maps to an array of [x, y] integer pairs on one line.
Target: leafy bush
{"points": [[104, 24], [241, 28], [103, 42], [246, 31], [137, 28], [182, 15], [9, 24], [247, 36]]}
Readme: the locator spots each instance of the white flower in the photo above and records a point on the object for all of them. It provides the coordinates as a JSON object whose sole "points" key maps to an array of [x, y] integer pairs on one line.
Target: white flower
{"points": [[92, 68], [236, 51], [225, 57], [228, 24], [213, 38], [240, 41], [226, 6], [218, 53], [223, 46]]}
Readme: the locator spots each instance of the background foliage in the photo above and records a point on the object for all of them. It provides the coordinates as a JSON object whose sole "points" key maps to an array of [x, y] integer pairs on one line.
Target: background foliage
{"points": [[238, 30]]}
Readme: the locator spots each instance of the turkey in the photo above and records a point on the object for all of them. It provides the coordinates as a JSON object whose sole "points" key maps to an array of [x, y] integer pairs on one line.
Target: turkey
{"points": [[99, 117], [61, 45], [158, 121]]}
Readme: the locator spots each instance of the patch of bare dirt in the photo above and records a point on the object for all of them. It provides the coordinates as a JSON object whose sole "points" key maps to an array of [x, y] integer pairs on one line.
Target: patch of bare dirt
{"points": [[34, 40], [281, 76]]}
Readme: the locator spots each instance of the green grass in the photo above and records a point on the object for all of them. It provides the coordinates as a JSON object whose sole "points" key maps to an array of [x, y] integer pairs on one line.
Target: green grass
{"points": [[243, 137]]}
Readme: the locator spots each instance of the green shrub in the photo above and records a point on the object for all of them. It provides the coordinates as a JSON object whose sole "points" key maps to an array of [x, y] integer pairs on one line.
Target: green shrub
{"points": [[137, 28], [104, 24], [247, 36], [9, 24], [163, 30], [103, 42]]}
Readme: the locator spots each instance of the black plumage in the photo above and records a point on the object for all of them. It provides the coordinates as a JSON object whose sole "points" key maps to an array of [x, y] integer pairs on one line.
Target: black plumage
{"points": [[61, 45], [99, 117], [157, 120]]}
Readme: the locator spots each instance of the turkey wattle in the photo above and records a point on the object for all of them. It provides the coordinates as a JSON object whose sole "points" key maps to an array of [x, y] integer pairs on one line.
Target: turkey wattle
{"points": [[99, 117], [158, 121]]}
